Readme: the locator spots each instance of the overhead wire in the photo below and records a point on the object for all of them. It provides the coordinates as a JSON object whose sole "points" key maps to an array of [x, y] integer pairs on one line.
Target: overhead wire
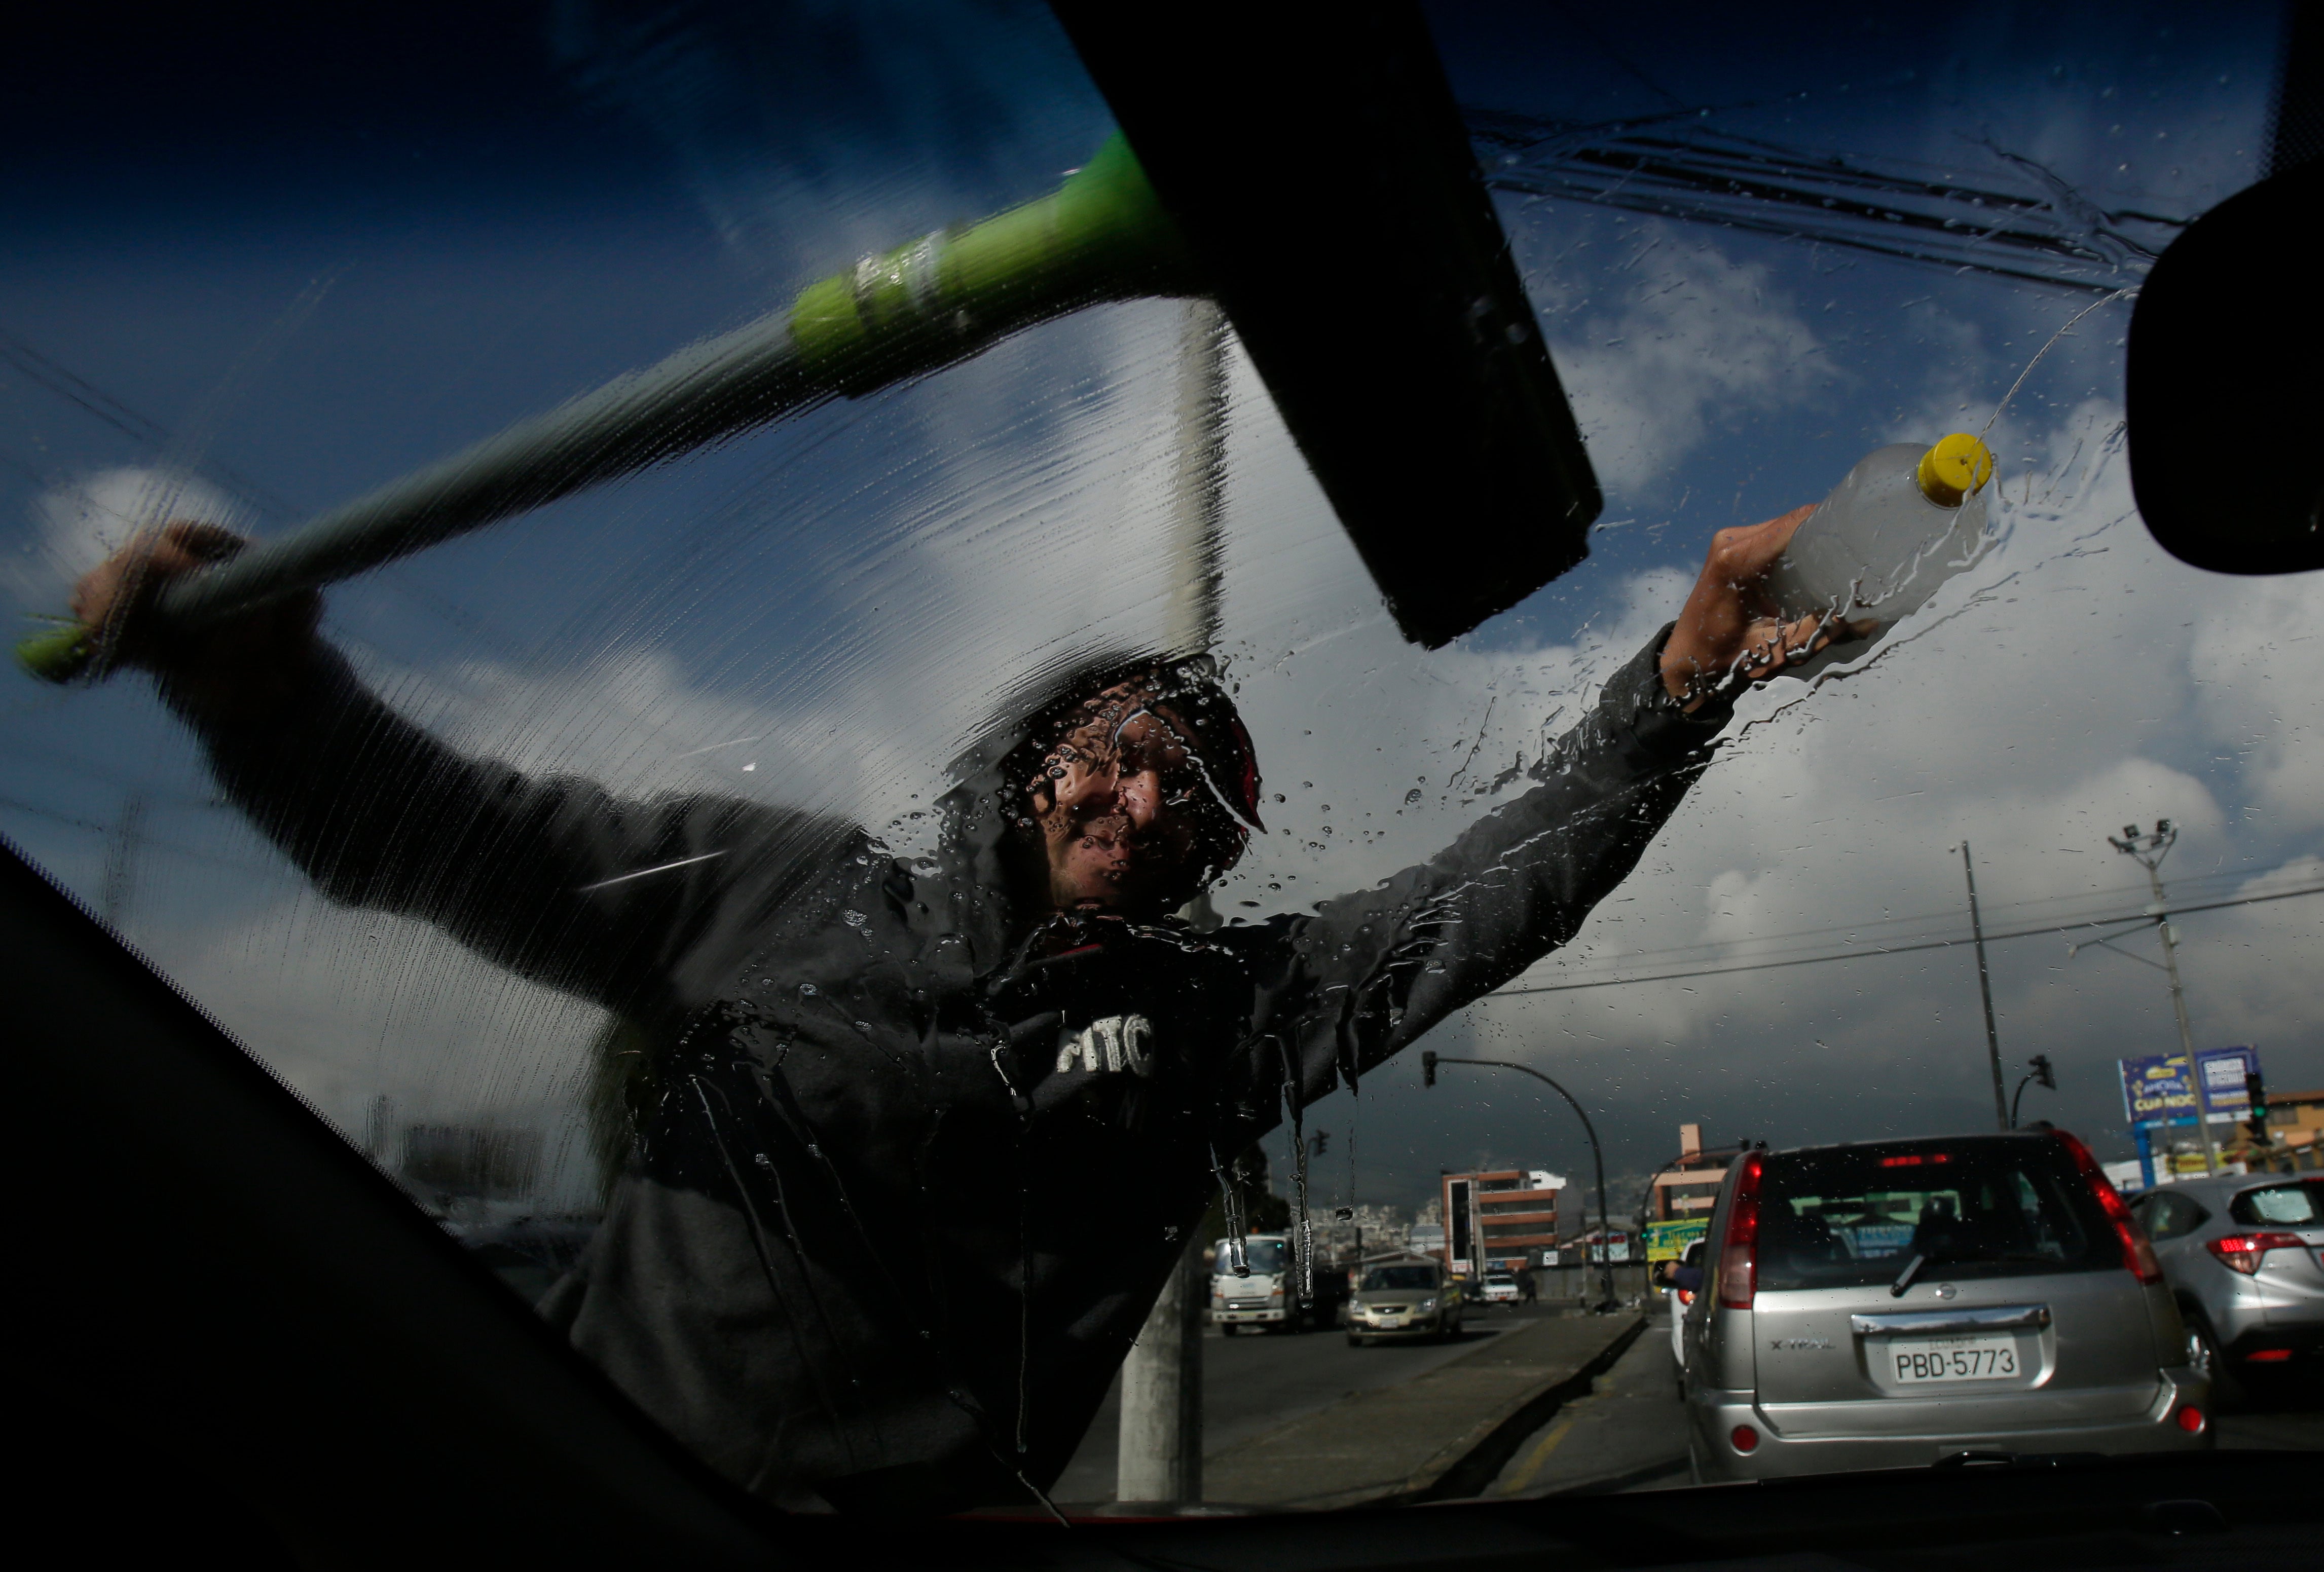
{"points": [[1887, 950], [1998, 910]]}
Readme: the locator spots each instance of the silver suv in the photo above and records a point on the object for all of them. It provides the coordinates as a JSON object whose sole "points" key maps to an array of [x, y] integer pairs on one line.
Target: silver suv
{"points": [[1893, 1303], [2244, 1254]]}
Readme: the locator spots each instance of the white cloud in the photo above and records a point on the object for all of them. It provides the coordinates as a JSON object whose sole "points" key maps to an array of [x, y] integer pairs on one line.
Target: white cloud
{"points": [[2256, 671], [76, 525], [1695, 338]]}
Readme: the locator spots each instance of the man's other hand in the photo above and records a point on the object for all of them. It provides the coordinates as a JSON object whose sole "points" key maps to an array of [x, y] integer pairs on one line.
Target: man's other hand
{"points": [[1731, 630], [218, 669]]}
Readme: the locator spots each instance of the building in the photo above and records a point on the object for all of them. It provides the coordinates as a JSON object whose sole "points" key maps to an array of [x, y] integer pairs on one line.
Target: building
{"points": [[1689, 1183], [2295, 1135], [1500, 1221]]}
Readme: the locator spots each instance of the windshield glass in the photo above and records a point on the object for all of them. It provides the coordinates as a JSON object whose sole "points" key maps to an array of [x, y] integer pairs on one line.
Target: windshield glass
{"points": [[1974, 1208], [1399, 1279], [1265, 1257], [781, 656]]}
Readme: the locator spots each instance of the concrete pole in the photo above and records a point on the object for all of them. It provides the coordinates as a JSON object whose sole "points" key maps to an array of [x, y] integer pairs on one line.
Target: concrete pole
{"points": [[1160, 1455], [1192, 626], [121, 851], [2179, 1008]]}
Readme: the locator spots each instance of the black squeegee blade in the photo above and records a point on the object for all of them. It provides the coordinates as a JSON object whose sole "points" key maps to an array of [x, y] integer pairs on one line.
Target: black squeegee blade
{"points": [[1315, 159]]}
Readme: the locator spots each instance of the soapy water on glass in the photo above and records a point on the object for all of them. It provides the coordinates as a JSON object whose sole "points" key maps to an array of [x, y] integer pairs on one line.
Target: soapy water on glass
{"points": [[1907, 517]]}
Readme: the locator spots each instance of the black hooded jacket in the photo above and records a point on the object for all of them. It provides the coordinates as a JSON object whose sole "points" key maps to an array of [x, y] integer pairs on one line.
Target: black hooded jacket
{"points": [[915, 1166]]}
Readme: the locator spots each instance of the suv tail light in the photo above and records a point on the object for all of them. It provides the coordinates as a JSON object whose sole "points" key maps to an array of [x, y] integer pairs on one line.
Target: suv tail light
{"points": [[2244, 1251], [1738, 1257], [2137, 1254]]}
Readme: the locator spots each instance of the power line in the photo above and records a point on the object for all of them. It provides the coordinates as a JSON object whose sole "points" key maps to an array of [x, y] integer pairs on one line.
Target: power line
{"points": [[138, 427], [1712, 949], [1898, 949]]}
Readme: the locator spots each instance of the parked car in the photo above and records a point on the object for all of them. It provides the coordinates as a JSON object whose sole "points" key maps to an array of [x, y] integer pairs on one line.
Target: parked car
{"points": [[1500, 1288], [1404, 1299], [1891, 1303], [2244, 1255]]}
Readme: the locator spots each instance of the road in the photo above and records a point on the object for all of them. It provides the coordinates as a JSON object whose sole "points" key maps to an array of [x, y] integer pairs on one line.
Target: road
{"points": [[1252, 1383], [1626, 1434]]}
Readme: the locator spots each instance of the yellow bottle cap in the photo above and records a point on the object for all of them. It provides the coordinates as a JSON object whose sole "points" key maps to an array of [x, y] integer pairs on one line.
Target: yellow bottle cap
{"points": [[1956, 466]]}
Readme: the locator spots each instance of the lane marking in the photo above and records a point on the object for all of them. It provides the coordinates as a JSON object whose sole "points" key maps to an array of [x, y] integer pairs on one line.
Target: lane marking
{"points": [[1537, 1458]]}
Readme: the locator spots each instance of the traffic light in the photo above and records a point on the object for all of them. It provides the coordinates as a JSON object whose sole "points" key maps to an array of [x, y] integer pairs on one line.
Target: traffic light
{"points": [[2256, 1118], [2042, 1074], [1427, 1068]]}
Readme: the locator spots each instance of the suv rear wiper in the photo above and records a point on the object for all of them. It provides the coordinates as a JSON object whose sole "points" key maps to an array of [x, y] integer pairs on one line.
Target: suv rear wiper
{"points": [[1904, 1278]]}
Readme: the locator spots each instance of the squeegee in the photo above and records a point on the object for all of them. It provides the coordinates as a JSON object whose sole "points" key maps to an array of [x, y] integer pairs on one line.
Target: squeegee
{"points": [[1374, 292]]}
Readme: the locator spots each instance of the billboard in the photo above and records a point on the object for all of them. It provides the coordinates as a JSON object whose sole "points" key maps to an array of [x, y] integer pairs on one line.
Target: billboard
{"points": [[2162, 1089], [1460, 1234], [1668, 1241], [2157, 1089], [2220, 1072]]}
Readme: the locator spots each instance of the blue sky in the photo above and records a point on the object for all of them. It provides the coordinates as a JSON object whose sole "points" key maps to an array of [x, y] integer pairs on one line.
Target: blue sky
{"points": [[312, 260]]}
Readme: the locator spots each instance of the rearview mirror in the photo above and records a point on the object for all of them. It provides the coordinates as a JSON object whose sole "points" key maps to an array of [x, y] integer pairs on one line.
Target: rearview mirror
{"points": [[2224, 397]]}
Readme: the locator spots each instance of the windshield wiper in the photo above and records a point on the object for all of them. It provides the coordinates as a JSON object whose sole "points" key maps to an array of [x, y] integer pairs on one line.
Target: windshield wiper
{"points": [[1904, 1278]]}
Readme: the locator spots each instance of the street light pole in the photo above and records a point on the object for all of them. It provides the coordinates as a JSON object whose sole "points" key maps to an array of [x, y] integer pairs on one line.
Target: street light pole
{"points": [[2148, 850], [2040, 1071], [1428, 1063], [1984, 992]]}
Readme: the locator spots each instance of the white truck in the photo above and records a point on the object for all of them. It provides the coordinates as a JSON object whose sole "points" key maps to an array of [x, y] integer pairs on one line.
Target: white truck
{"points": [[1267, 1297]]}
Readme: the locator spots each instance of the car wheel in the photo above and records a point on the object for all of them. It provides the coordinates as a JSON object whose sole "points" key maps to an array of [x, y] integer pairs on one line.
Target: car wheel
{"points": [[2209, 1360]]}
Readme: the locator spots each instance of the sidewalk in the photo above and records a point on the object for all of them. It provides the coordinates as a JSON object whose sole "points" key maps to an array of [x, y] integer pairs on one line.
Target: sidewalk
{"points": [[1422, 1438]]}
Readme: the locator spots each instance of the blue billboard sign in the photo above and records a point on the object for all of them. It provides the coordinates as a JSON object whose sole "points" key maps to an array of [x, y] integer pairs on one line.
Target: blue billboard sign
{"points": [[2157, 1089], [2220, 1072]]}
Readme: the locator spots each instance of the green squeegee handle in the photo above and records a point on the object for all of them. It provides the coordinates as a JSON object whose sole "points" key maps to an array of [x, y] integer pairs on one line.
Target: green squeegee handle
{"points": [[1101, 237]]}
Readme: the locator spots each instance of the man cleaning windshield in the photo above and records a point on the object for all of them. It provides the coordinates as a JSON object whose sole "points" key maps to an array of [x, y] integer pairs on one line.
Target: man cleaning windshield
{"points": [[916, 1144]]}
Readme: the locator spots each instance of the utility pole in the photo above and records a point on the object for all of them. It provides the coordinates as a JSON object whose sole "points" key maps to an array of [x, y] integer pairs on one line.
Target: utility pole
{"points": [[2148, 850], [1984, 992], [1160, 1459], [121, 848], [1197, 547], [1428, 1063], [1160, 1455]]}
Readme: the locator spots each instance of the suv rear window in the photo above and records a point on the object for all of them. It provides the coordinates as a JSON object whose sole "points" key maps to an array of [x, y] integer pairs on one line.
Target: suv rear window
{"points": [[2296, 1204], [1854, 1216]]}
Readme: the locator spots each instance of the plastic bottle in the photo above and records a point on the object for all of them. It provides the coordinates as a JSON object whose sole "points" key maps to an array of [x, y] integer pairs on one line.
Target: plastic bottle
{"points": [[1907, 519]]}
